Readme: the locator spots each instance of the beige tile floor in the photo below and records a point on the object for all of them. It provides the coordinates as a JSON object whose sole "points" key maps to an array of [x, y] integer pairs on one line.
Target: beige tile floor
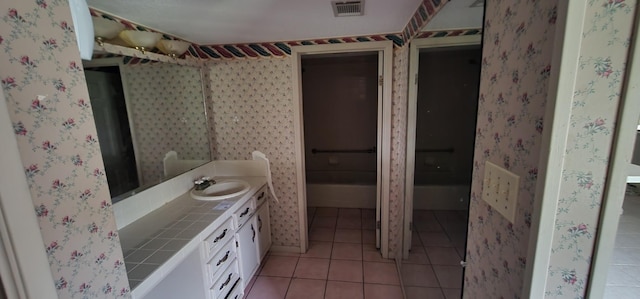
{"points": [[433, 269], [342, 262]]}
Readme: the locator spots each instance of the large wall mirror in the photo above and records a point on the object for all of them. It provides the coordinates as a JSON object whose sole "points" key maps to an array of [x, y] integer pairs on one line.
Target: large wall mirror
{"points": [[151, 120]]}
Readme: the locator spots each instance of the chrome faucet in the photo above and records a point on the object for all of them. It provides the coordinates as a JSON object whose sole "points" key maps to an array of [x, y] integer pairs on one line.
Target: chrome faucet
{"points": [[203, 183]]}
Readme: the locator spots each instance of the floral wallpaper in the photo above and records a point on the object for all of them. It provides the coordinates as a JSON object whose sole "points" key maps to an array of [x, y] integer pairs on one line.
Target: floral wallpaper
{"points": [[604, 48], [252, 109], [43, 81], [167, 108], [398, 149], [518, 43], [251, 104]]}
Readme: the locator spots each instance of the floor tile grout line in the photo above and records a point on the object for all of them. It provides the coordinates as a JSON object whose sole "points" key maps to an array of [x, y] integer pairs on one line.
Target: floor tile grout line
{"points": [[291, 278]]}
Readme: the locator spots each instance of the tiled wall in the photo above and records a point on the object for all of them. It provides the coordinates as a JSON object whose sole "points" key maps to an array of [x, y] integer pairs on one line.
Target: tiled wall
{"points": [[603, 55], [518, 43], [58, 144], [167, 108]]}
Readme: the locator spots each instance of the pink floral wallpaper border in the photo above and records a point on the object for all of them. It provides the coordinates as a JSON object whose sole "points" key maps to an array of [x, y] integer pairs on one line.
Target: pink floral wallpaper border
{"points": [[447, 33], [425, 12]]}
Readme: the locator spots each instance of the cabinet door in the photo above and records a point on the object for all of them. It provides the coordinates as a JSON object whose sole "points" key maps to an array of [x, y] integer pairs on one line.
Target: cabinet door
{"points": [[247, 238], [185, 281], [264, 229]]}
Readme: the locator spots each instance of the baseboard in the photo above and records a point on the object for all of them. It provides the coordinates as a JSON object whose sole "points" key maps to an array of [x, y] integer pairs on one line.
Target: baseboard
{"points": [[287, 249]]}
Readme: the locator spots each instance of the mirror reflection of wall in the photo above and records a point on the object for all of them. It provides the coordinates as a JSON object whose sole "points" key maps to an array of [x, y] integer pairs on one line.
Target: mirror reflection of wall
{"points": [[147, 113], [168, 111]]}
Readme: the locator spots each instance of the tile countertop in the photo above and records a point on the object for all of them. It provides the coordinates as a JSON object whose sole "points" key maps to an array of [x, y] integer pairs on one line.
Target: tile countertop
{"points": [[156, 243]]}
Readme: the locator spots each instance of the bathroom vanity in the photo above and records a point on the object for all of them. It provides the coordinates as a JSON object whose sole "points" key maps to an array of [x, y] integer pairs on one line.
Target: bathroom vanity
{"points": [[189, 248], [176, 243]]}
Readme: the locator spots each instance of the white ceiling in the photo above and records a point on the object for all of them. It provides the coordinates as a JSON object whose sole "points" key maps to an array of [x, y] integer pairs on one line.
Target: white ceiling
{"points": [[208, 22]]}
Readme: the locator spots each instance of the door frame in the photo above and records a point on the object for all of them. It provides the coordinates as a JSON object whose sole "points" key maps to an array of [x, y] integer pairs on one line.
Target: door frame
{"points": [[414, 65], [559, 103], [24, 267], [384, 135], [618, 170]]}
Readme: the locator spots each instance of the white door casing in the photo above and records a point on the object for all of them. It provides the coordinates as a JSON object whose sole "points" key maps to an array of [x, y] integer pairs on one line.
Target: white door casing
{"points": [[384, 131], [24, 266]]}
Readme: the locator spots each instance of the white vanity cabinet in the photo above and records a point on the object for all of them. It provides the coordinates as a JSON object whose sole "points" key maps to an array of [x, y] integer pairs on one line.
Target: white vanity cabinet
{"points": [[219, 253], [223, 260], [247, 237], [185, 281], [264, 229], [253, 234]]}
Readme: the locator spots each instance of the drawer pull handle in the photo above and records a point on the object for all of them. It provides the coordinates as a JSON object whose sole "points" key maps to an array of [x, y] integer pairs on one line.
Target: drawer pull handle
{"points": [[259, 224], [246, 211], [253, 237], [226, 282], [223, 259], [261, 195], [218, 238]]}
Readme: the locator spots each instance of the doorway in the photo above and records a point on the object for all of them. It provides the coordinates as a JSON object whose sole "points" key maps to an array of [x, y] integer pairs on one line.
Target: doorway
{"points": [[340, 109], [440, 145], [319, 145]]}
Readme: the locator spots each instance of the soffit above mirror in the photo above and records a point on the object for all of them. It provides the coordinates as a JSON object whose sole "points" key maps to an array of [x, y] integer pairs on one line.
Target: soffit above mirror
{"points": [[251, 21], [458, 14]]}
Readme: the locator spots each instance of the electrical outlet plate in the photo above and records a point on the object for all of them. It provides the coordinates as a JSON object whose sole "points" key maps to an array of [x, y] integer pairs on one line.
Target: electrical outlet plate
{"points": [[500, 190]]}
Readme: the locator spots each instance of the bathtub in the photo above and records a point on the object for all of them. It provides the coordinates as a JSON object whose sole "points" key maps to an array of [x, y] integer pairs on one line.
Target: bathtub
{"points": [[441, 197], [341, 196], [341, 189]]}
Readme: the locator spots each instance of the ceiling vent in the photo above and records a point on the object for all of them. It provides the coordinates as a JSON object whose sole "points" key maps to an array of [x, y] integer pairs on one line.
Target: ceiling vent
{"points": [[348, 8]]}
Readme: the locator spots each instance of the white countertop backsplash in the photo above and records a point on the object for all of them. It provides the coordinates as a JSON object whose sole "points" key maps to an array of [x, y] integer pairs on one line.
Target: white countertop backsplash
{"points": [[145, 202]]}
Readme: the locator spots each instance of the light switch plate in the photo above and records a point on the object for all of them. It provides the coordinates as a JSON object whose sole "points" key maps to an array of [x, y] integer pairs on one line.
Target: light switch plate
{"points": [[500, 190]]}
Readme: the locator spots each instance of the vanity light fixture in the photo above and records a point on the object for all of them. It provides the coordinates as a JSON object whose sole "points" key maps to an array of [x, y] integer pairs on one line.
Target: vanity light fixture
{"points": [[140, 40], [173, 48], [105, 29]]}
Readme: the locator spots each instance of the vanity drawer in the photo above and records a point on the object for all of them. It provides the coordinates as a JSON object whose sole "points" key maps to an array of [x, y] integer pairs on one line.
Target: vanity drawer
{"points": [[261, 197], [225, 257], [236, 293], [226, 281], [245, 212], [218, 238]]}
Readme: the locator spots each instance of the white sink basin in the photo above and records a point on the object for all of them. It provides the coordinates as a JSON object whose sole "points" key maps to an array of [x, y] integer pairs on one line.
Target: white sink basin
{"points": [[221, 190]]}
